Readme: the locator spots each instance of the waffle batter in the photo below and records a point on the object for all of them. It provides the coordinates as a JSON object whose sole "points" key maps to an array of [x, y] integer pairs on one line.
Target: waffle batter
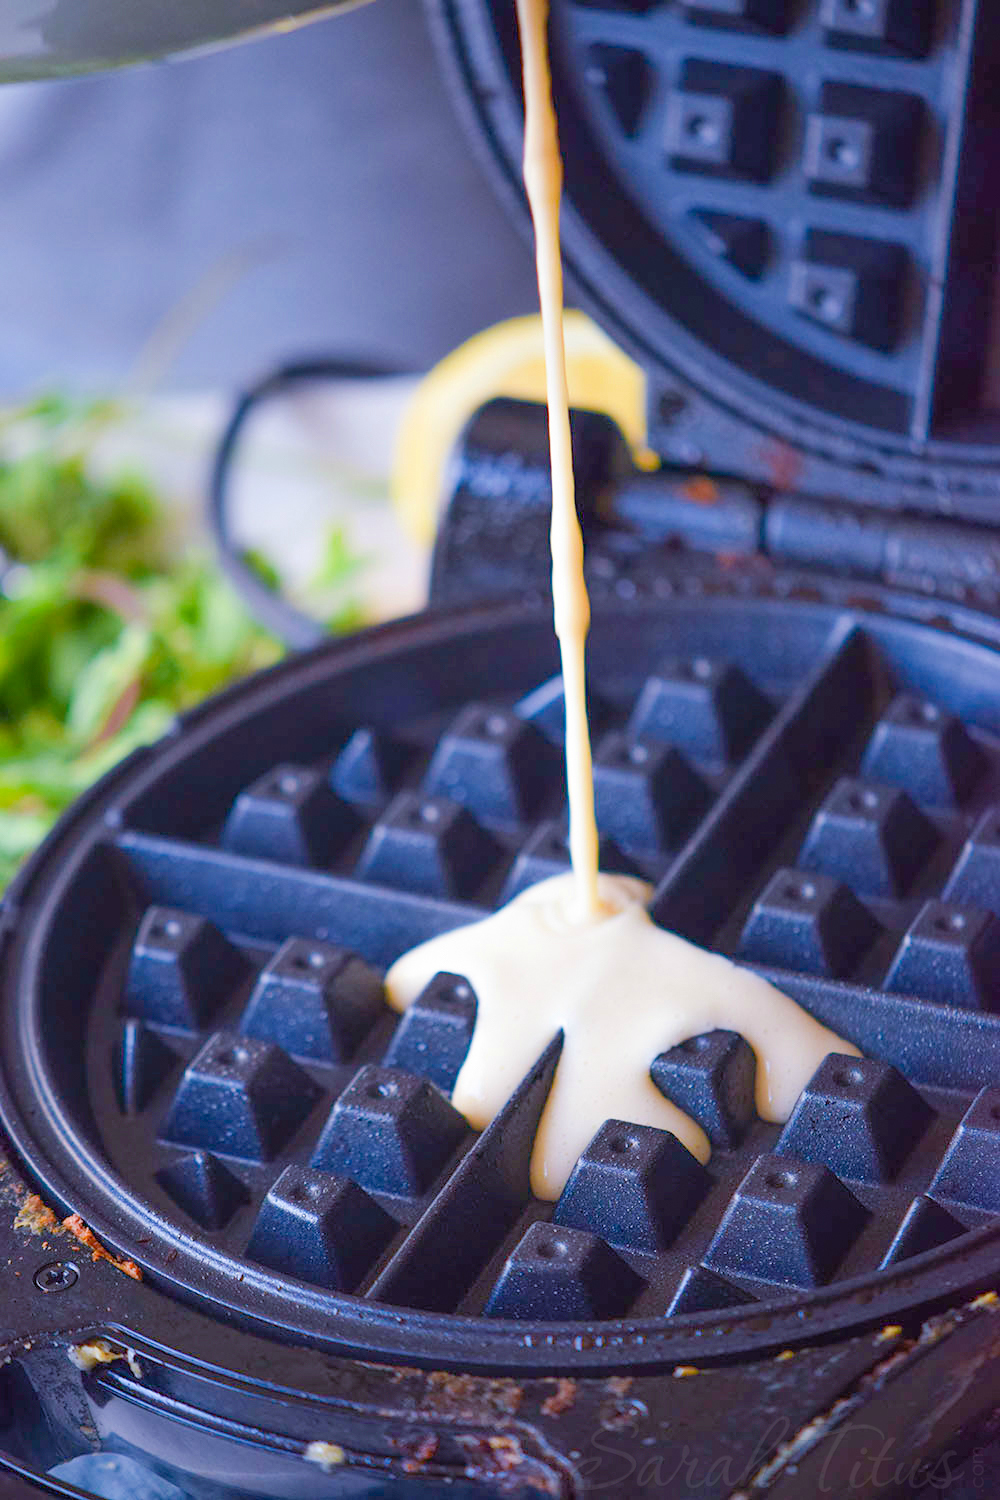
{"points": [[579, 953], [570, 603]]}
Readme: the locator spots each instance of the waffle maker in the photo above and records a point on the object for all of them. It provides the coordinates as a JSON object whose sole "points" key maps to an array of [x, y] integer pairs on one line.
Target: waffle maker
{"points": [[247, 1247]]}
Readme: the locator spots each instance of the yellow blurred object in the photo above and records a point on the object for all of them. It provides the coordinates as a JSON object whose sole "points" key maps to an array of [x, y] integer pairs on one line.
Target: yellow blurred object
{"points": [[507, 360]]}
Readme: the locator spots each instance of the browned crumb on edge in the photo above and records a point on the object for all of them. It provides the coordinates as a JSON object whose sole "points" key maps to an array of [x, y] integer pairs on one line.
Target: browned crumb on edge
{"points": [[420, 1451], [456, 1394], [562, 1399], [85, 1236], [35, 1216]]}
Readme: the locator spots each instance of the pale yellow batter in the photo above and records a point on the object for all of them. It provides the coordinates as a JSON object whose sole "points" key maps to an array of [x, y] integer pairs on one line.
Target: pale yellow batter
{"points": [[570, 604], [622, 990], [579, 953]]}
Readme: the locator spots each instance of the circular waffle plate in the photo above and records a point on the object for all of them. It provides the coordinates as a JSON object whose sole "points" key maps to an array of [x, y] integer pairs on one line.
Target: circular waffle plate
{"points": [[241, 1114], [778, 209]]}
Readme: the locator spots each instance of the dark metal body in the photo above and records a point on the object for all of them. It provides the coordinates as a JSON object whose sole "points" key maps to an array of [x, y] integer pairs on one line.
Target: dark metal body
{"points": [[879, 1378], [609, 1407]]}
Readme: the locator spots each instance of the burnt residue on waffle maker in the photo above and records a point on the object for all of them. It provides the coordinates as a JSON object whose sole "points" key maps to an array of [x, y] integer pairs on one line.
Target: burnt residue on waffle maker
{"points": [[344, 1287]]}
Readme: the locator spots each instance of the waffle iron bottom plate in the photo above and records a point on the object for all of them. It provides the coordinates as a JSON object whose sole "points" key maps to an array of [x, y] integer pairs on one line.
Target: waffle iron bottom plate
{"points": [[196, 1058]]}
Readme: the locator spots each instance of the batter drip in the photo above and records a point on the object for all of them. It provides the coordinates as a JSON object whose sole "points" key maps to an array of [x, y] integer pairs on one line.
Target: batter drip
{"points": [[621, 990], [579, 953], [570, 604]]}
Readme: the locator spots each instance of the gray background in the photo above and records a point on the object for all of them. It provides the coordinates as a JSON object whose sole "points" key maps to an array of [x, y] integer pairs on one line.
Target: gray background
{"points": [[314, 188]]}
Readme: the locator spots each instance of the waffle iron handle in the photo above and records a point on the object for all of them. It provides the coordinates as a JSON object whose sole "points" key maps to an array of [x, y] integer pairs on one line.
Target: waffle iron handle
{"points": [[493, 537]]}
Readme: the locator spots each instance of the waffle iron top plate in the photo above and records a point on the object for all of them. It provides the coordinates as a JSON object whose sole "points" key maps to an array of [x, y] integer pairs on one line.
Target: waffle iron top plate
{"points": [[785, 210]]}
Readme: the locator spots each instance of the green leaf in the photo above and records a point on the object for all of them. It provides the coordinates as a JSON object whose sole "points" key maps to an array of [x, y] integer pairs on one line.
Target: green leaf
{"points": [[101, 619], [104, 680], [20, 832], [350, 617], [338, 563], [263, 568], [149, 722]]}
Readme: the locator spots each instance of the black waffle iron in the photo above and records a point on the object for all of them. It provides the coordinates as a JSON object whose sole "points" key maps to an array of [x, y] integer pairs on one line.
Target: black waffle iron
{"points": [[247, 1246]]}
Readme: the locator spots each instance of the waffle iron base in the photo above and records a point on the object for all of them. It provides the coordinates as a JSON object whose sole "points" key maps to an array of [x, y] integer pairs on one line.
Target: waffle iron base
{"points": [[199, 1075]]}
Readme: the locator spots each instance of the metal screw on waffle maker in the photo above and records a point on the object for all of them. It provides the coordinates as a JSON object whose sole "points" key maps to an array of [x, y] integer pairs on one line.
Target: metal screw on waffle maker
{"points": [[249, 1243]]}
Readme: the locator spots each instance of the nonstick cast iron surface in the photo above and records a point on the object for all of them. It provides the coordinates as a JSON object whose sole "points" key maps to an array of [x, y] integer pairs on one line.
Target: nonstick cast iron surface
{"points": [[196, 1057]]}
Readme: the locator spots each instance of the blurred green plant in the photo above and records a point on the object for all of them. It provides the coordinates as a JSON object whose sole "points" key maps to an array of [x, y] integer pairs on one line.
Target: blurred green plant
{"points": [[107, 628]]}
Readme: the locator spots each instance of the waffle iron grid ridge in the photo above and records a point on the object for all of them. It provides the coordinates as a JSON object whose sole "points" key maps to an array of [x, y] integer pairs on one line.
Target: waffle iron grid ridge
{"points": [[412, 1256]]}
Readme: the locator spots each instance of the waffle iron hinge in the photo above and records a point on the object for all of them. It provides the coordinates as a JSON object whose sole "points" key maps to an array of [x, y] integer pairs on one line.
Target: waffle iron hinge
{"points": [[493, 537]]}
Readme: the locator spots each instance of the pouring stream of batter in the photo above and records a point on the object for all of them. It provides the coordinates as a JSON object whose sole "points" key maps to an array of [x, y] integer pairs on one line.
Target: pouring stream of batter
{"points": [[570, 605], [579, 953]]}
